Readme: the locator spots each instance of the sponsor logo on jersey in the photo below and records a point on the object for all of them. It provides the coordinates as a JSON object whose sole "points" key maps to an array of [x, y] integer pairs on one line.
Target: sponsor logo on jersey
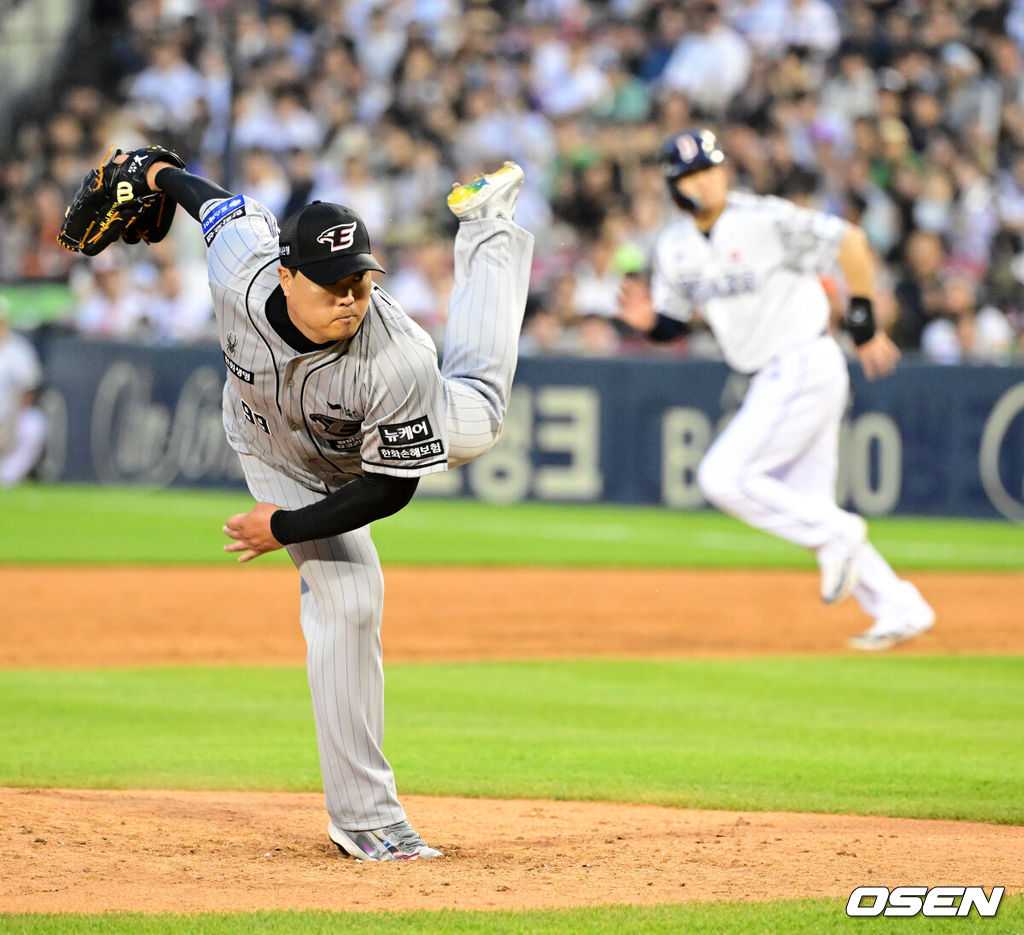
{"points": [[427, 449], [698, 289], [338, 237], [402, 433], [244, 375], [223, 214]]}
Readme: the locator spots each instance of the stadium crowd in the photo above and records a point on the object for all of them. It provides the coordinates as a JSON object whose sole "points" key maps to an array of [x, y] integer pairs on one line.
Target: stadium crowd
{"points": [[906, 116]]}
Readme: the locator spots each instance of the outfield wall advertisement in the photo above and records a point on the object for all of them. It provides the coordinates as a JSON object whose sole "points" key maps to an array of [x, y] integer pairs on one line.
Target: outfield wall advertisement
{"points": [[927, 440]]}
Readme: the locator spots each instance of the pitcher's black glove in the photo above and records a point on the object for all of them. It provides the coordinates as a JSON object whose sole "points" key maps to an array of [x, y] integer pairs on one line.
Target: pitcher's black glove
{"points": [[114, 201]]}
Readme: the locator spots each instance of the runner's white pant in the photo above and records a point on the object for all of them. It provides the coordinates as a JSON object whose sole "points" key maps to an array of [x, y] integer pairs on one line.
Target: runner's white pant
{"points": [[342, 584], [775, 466], [25, 448]]}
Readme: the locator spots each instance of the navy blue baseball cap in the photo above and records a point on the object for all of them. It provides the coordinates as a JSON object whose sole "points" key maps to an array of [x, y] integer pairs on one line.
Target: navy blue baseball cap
{"points": [[326, 242], [690, 151], [685, 153]]}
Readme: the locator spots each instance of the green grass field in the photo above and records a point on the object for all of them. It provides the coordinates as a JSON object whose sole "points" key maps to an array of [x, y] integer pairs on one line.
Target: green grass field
{"points": [[728, 734], [789, 917], [72, 524], [887, 735]]}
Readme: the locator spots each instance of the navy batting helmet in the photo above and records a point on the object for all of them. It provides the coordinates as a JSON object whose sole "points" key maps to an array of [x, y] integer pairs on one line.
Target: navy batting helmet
{"points": [[686, 152]]}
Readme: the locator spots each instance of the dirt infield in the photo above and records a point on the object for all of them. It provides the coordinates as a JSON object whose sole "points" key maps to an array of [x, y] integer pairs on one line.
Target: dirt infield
{"points": [[75, 850], [75, 617]]}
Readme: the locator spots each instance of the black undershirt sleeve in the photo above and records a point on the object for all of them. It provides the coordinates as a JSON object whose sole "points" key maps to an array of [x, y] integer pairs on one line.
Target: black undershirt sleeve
{"points": [[188, 190], [359, 502]]}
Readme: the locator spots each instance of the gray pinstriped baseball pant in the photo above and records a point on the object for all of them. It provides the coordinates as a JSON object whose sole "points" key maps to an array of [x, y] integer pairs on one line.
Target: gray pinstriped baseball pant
{"points": [[342, 583]]}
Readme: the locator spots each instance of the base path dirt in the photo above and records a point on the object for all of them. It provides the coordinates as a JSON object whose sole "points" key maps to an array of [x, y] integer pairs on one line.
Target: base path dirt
{"points": [[96, 850], [80, 617]]}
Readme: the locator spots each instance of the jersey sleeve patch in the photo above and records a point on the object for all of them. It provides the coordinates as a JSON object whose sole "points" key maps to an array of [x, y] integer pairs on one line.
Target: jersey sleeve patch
{"points": [[403, 432], [410, 443], [430, 449], [222, 215]]}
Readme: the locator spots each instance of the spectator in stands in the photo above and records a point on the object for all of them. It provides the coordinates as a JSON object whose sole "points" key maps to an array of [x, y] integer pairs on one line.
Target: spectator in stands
{"points": [[772, 26], [852, 91], [914, 123], [179, 311], [22, 424], [965, 333], [576, 83], [974, 219], [41, 256], [112, 306], [167, 94], [421, 282], [264, 179], [920, 293], [711, 62]]}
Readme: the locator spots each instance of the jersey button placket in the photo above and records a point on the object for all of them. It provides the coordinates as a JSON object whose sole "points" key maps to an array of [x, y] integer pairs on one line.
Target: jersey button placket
{"points": [[289, 382]]}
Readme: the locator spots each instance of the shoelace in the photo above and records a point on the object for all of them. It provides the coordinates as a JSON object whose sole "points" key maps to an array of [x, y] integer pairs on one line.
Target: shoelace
{"points": [[404, 835]]}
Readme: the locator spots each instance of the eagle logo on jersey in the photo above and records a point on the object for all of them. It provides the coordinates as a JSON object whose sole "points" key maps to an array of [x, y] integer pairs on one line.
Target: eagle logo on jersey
{"points": [[339, 237], [344, 433], [232, 342]]}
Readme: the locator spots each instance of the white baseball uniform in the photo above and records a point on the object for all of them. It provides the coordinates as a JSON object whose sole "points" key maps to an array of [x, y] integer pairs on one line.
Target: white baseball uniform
{"points": [[22, 428], [306, 422], [755, 280]]}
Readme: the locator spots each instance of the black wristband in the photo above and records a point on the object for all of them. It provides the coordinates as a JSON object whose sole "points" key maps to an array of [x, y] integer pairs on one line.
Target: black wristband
{"points": [[860, 320], [668, 329]]}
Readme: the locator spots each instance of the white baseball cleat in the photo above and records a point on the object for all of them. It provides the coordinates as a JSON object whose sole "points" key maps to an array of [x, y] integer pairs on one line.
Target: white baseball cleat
{"points": [[838, 562], [489, 196], [392, 842], [888, 631]]}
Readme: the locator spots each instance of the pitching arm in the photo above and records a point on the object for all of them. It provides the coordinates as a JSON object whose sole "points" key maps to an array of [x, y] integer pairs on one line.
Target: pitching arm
{"points": [[188, 190], [367, 498]]}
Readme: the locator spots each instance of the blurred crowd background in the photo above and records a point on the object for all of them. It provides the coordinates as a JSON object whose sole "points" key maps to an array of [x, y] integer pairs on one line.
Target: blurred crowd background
{"points": [[905, 116]]}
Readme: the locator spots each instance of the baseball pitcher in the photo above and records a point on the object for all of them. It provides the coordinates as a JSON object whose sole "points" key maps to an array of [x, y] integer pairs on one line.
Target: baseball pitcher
{"points": [[335, 403]]}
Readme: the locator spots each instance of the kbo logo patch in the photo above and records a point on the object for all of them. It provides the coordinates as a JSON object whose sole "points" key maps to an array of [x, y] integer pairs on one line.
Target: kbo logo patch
{"points": [[338, 237]]}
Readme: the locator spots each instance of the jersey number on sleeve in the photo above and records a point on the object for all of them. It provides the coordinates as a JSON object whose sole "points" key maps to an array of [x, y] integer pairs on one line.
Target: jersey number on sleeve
{"points": [[255, 418]]}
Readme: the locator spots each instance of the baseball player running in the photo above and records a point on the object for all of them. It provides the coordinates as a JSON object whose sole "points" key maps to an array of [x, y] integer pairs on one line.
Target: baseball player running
{"points": [[750, 266], [336, 406]]}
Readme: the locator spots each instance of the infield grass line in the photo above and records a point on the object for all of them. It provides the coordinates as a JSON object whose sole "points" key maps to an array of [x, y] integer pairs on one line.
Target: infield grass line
{"points": [[899, 736], [86, 524], [776, 917]]}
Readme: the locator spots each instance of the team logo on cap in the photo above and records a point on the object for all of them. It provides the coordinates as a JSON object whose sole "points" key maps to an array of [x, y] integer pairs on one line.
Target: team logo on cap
{"points": [[686, 146], [338, 237]]}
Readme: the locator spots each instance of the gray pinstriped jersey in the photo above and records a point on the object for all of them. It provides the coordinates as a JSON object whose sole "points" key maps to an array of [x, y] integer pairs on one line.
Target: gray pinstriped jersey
{"points": [[373, 405]]}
